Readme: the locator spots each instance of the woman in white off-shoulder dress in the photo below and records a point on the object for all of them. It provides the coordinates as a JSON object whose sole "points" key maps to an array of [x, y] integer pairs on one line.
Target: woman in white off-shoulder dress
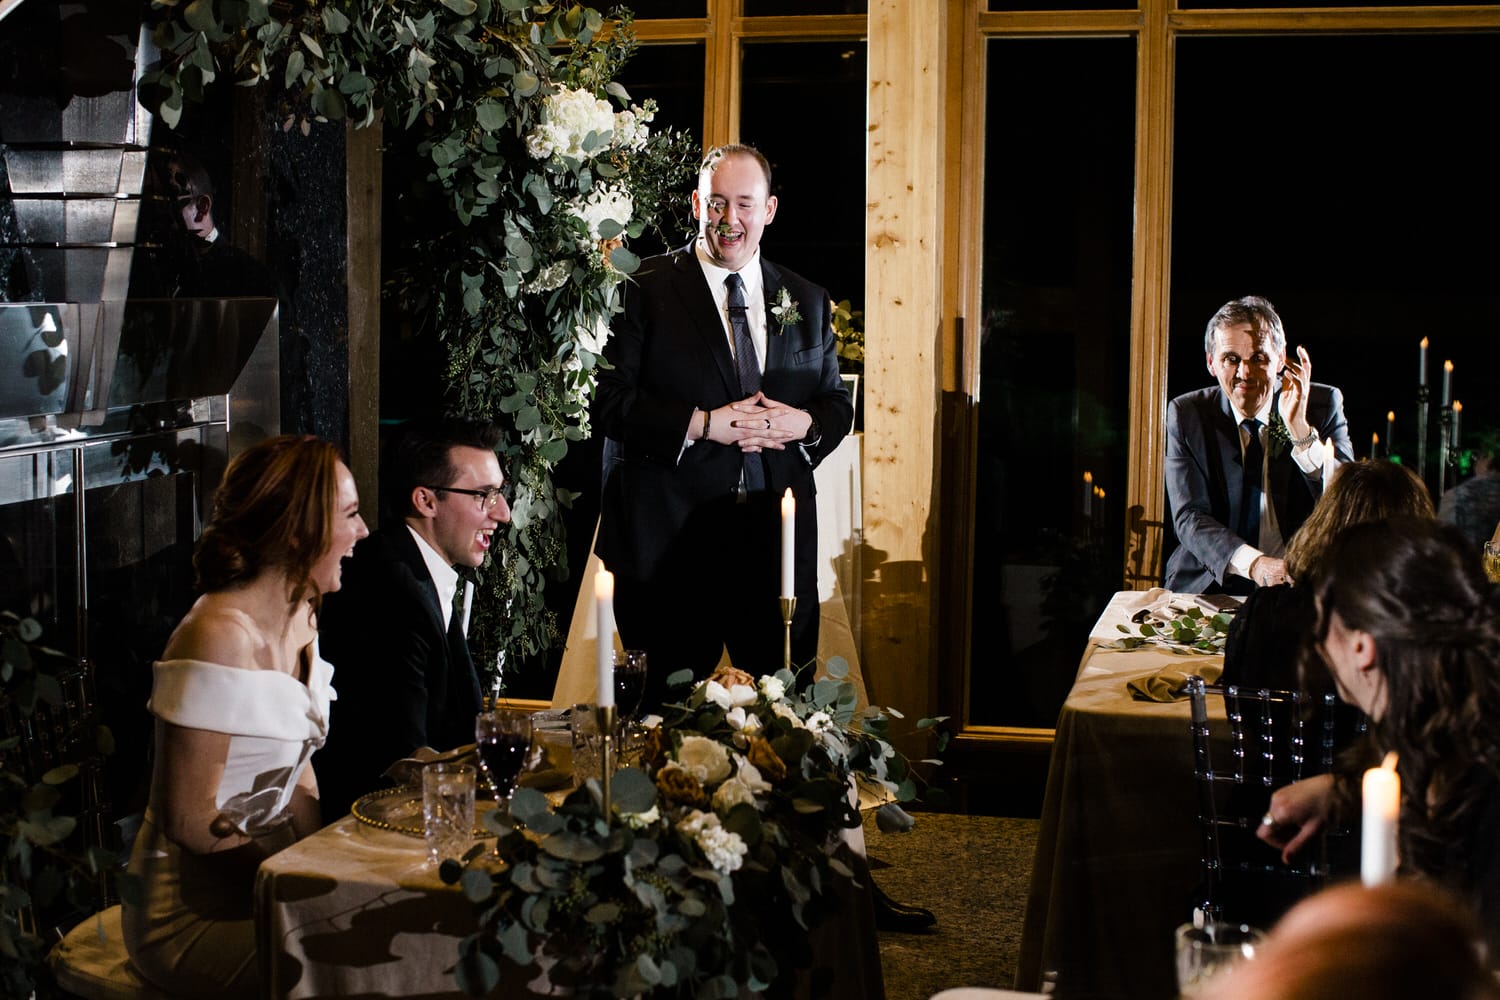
{"points": [[241, 702]]}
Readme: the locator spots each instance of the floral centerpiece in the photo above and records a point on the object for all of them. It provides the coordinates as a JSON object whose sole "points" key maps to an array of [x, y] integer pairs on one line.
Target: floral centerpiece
{"points": [[723, 852]]}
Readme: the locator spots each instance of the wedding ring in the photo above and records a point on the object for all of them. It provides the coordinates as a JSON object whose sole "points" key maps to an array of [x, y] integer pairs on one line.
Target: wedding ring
{"points": [[1268, 820]]}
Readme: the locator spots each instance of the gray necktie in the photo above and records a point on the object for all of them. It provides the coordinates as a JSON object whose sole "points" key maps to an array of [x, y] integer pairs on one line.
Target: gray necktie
{"points": [[747, 367]]}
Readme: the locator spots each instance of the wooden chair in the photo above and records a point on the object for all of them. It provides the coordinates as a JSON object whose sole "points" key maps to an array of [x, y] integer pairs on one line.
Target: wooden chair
{"points": [[1275, 738], [90, 962]]}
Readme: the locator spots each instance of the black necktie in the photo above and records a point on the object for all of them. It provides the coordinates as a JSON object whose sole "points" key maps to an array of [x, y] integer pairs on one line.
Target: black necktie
{"points": [[747, 366], [1249, 526]]}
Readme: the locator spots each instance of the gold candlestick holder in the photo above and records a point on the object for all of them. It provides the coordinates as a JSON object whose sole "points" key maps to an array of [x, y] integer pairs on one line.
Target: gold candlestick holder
{"points": [[788, 610], [604, 716]]}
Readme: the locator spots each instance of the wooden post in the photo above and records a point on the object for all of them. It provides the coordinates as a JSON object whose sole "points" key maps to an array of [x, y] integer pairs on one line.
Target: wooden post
{"points": [[905, 195], [362, 153]]}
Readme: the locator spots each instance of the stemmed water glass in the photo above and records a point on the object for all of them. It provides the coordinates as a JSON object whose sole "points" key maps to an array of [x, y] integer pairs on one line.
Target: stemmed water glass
{"points": [[630, 686], [502, 739]]}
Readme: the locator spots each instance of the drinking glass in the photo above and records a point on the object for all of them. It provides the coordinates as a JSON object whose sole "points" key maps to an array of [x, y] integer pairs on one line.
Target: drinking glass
{"points": [[1492, 561], [588, 745], [447, 810], [503, 739], [630, 684], [1207, 950]]}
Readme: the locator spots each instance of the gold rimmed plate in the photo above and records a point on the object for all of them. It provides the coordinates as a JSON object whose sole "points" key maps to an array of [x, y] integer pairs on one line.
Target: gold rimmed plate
{"points": [[400, 810]]}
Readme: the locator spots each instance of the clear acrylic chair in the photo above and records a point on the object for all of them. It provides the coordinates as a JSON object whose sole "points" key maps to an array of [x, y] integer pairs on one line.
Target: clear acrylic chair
{"points": [[1275, 738]]}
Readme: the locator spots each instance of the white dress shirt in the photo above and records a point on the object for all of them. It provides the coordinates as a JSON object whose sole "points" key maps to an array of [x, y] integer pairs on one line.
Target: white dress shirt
{"points": [[1308, 459], [445, 579]]}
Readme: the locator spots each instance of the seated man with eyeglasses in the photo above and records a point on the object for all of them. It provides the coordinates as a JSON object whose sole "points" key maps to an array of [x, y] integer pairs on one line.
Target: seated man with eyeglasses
{"points": [[396, 634]]}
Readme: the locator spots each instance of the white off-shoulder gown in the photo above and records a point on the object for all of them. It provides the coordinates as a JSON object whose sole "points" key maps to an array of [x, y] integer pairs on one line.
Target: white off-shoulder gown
{"points": [[193, 934]]}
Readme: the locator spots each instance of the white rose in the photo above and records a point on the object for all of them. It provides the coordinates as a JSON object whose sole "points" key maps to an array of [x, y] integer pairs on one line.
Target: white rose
{"points": [[715, 692], [741, 721], [612, 202], [732, 793], [743, 694], [705, 759], [772, 688], [593, 340], [785, 712], [749, 776]]}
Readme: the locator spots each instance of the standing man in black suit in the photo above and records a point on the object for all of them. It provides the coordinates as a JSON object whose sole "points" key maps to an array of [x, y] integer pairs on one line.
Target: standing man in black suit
{"points": [[723, 390], [1245, 458], [397, 632]]}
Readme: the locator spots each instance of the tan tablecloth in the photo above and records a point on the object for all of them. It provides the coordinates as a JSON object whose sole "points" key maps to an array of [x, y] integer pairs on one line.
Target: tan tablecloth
{"points": [[354, 911], [1118, 856], [839, 576]]}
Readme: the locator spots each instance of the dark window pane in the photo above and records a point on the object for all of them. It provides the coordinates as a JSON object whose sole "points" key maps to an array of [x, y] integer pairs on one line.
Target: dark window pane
{"points": [[998, 5], [1054, 366], [672, 76], [1277, 4], [1355, 190], [803, 105], [644, 9], [771, 8]]}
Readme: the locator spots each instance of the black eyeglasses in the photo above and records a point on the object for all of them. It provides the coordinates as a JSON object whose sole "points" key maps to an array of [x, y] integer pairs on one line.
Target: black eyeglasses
{"points": [[488, 499]]}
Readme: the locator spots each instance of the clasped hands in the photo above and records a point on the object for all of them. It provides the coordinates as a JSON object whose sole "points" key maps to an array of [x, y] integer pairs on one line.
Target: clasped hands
{"points": [[758, 422]]}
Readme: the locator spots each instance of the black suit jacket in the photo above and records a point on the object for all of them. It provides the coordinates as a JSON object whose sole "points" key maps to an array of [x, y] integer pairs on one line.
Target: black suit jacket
{"points": [[1205, 479], [401, 683], [669, 354]]}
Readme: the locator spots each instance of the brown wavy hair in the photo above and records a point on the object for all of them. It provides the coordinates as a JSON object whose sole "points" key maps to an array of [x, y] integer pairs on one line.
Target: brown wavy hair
{"points": [[275, 508], [1418, 588], [1360, 491]]}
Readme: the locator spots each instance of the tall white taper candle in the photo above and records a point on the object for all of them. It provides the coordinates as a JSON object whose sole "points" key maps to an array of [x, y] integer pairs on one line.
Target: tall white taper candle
{"points": [[788, 543], [604, 609], [1381, 802]]}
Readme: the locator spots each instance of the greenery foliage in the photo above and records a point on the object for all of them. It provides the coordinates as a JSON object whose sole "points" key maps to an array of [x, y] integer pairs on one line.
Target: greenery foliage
{"points": [[531, 183], [1190, 631], [849, 336], [44, 870], [721, 853]]}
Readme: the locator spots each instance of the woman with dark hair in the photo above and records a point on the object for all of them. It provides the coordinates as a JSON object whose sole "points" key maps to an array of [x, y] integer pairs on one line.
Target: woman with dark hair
{"points": [[1266, 636], [241, 699], [1409, 628]]}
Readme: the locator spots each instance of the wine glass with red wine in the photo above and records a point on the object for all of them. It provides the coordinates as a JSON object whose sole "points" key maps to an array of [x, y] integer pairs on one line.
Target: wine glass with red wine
{"points": [[630, 685], [502, 739]]}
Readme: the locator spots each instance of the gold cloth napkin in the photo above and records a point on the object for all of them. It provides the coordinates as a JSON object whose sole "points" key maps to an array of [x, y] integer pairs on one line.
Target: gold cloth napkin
{"points": [[1170, 683]]}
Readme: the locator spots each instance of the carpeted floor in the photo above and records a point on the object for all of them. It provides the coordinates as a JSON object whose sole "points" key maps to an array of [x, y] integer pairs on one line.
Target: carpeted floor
{"points": [[973, 873]]}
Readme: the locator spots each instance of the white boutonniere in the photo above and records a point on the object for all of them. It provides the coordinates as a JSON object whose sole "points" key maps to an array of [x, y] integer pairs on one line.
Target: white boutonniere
{"points": [[784, 308]]}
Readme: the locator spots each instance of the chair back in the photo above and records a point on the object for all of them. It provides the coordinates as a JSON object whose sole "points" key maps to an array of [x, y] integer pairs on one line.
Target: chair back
{"points": [[1275, 737]]}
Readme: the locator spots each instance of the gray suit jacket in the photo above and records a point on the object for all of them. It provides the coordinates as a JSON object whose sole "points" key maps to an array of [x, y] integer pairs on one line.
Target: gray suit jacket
{"points": [[1205, 478]]}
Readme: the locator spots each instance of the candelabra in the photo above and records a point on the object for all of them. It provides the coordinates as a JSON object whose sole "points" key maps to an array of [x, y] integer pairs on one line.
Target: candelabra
{"points": [[788, 609], [604, 715], [1422, 432]]}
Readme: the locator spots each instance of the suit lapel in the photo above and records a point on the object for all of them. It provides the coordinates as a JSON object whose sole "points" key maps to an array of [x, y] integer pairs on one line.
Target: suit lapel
{"points": [[771, 286], [406, 549], [703, 316]]}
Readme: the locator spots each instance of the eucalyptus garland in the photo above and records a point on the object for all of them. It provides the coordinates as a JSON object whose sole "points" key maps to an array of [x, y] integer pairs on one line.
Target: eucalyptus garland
{"points": [[539, 182]]}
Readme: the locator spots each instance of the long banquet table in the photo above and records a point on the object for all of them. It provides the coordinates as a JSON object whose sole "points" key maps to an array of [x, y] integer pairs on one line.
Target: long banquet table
{"points": [[354, 911], [1118, 855]]}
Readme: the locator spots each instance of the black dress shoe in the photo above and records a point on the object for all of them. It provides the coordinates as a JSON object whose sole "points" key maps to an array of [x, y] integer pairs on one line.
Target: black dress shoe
{"points": [[893, 916]]}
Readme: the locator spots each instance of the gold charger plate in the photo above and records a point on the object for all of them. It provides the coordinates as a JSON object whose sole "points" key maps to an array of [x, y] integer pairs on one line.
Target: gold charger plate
{"points": [[400, 809]]}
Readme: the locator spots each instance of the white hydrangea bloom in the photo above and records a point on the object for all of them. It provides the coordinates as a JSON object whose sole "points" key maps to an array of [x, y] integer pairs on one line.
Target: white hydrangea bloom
{"points": [[772, 688], [704, 759], [554, 275], [724, 850], [630, 126], [640, 820], [568, 118], [604, 202]]}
